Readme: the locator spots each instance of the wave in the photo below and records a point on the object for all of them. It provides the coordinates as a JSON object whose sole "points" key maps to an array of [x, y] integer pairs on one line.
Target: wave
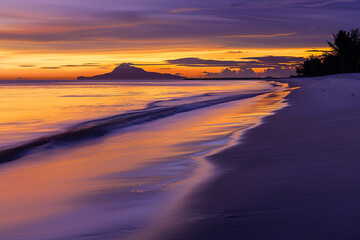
{"points": [[100, 127]]}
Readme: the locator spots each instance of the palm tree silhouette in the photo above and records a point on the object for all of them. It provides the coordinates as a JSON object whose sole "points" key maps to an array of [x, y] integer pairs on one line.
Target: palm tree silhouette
{"points": [[344, 57]]}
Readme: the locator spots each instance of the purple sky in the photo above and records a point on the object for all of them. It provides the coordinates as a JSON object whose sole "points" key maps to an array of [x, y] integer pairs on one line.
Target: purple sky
{"points": [[116, 25]]}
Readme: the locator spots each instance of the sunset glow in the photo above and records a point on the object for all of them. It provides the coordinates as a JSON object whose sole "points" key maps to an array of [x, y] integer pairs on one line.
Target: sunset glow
{"points": [[179, 119], [65, 39]]}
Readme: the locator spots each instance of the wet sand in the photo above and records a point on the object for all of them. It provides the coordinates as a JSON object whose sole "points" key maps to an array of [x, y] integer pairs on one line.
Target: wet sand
{"points": [[124, 184], [297, 176]]}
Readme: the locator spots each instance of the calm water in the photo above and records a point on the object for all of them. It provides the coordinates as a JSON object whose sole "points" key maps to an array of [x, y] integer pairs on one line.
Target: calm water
{"points": [[114, 159]]}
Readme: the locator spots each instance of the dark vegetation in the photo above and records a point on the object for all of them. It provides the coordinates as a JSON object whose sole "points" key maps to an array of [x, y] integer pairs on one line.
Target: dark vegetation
{"points": [[344, 57]]}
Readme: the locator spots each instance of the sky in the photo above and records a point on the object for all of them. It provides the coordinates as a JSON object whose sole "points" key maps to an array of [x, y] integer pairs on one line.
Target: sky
{"points": [[63, 39]]}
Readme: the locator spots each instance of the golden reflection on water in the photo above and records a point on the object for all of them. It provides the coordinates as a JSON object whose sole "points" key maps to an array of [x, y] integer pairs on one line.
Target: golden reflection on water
{"points": [[28, 110], [233, 120], [48, 184]]}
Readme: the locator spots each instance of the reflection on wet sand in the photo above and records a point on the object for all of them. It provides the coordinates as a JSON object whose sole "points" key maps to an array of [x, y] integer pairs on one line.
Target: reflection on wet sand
{"points": [[128, 181]]}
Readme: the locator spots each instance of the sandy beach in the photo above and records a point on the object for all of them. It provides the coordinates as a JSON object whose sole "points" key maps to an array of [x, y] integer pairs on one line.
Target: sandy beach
{"points": [[294, 177]]}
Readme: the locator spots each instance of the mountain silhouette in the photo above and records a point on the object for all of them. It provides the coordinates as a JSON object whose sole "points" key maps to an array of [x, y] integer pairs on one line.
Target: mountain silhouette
{"points": [[126, 71]]}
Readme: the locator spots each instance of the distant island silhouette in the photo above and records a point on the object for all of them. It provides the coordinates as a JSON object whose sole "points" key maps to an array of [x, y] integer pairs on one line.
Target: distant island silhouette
{"points": [[126, 71]]}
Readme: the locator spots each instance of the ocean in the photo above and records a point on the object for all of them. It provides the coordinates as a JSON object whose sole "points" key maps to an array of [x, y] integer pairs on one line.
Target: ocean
{"points": [[115, 159]]}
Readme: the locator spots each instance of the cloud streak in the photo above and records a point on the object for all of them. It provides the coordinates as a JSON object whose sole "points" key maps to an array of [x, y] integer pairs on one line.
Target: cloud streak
{"points": [[182, 10], [213, 22], [113, 31], [249, 62], [198, 62], [261, 35]]}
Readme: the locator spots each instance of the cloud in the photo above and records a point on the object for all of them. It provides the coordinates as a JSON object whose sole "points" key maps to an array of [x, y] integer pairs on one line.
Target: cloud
{"points": [[111, 24], [277, 59], [249, 73], [275, 66], [235, 52], [261, 35], [73, 66], [278, 72], [228, 73], [131, 29], [181, 10], [147, 64], [198, 62], [249, 62], [50, 68], [288, 3], [313, 4], [317, 51], [27, 66], [82, 65]]}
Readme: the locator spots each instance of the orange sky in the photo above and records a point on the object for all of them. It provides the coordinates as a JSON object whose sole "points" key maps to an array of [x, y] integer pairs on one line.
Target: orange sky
{"points": [[63, 39], [55, 65]]}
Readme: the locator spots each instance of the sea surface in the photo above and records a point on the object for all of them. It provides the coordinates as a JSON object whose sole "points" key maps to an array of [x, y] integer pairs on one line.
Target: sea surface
{"points": [[115, 159]]}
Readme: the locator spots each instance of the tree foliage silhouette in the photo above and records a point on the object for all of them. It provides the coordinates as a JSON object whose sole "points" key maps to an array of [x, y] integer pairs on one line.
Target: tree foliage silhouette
{"points": [[344, 56]]}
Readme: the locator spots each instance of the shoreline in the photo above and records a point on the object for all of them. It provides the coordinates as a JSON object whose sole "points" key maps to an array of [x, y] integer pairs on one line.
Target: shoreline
{"points": [[206, 170], [293, 177], [130, 187]]}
